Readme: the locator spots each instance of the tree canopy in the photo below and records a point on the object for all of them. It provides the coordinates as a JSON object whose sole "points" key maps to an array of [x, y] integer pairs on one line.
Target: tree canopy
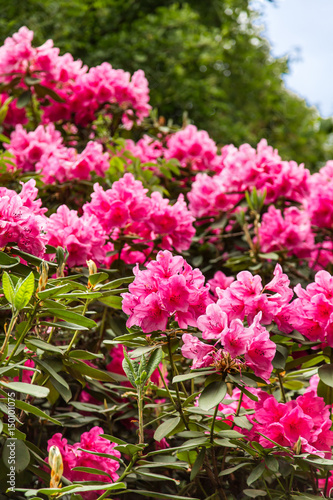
{"points": [[206, 59]]}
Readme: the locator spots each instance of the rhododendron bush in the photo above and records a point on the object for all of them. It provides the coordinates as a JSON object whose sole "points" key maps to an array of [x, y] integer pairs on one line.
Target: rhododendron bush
{"points": [[166, 302]]}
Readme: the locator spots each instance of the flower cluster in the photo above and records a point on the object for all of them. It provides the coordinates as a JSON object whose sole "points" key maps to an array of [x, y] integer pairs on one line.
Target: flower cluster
{"points": [[83, 93], [76, 455], [167, 288], [127, 207], [290, 232], [306, 418], [22, 220], [193, 149], [83, 237], [245, 168], [42, 150], [319, 203], [312, 312], [236, 345]]}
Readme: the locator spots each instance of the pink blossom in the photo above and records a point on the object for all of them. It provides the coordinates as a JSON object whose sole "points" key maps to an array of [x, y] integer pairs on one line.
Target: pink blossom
{"points": [[75, 456], [83, 237], [194, 349], [213, 323]]}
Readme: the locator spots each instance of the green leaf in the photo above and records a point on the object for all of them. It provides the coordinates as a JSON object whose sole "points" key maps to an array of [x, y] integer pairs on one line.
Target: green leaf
{"points": [[116, 283], [43, 91], [324, 391], [166, 428], [154, 360], [255, 474], [163, 496], [255, 493], [64, 325], [269, 256], [72, 317], [272, 463], [113, 439], [113, 301], [32, 390], [90, 470], [23, 99], [78, 354], [54, 291], [326, 374], [48, 369], [79, 488], [91, 372], [212, 395], [155, 476], [6, 261], [198, 463], [8, 287], [128, 369], [226, 472], [96, 278], [24, 293], [64, 391], [29, 80], [35, 411], [44, 346], [243, 422], [18, 449], [193, 374]]}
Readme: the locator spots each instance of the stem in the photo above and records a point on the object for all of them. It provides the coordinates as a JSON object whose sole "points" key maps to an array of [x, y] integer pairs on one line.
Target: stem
{"points": [[268, 493], [140, 407], [77, 331], [326, 484], [283, 394], [213, 424], [9, 331], [124, 474], [21, 337], [101, 330], [179, 402], [239, 404], [166, 386]]}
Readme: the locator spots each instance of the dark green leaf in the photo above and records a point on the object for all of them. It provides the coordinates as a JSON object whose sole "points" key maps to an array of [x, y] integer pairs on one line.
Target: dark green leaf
{"points": [[212, 395], [272, 463], [166, 428], [72, 317], [255, 493], [6, 261], [35, 411], [43, 91], [32, 390], [193, 374], [96, 278], [226, 472], [326, 374], [255, 474], [23, 99], [20, 451], [113, 301], [198, 463]]}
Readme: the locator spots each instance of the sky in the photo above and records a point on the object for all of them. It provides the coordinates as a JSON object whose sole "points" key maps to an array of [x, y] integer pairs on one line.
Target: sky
{"points": [[304, 30]]}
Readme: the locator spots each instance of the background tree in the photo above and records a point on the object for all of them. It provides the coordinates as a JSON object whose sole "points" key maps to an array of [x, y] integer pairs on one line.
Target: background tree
{"points": [[207, 59]]}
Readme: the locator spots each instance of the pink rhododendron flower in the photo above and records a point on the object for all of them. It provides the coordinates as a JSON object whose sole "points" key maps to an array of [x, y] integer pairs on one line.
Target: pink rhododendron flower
{"points": [[167, 287], [193, 148], [75, 456], [83, 237], [291, 232], [22, 221]]}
